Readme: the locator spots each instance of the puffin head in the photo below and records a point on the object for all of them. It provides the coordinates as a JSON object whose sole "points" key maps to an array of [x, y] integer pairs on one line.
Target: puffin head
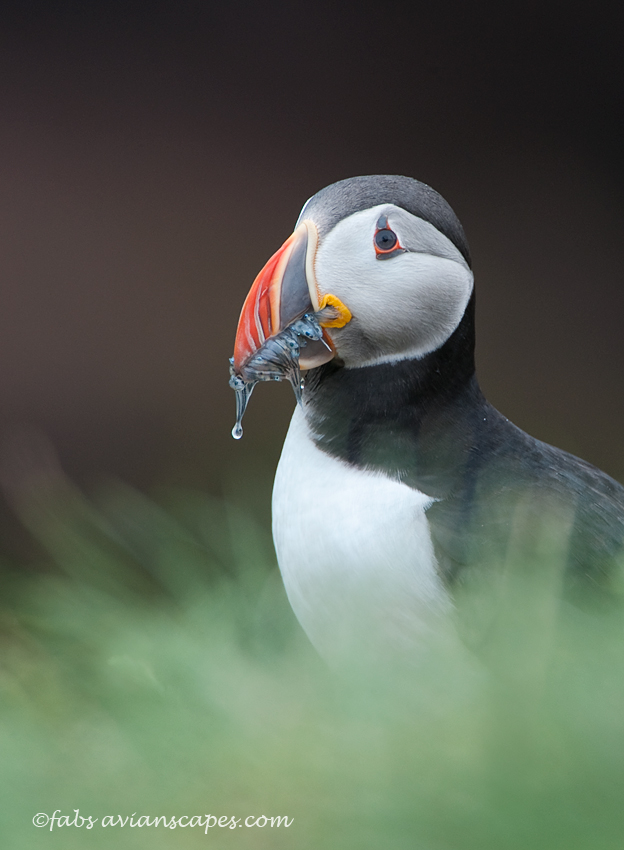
{"points": [[384, 264]]}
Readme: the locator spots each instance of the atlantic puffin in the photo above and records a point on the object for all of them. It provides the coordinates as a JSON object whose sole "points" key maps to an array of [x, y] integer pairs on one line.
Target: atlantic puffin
{"points": [[397, 478]]}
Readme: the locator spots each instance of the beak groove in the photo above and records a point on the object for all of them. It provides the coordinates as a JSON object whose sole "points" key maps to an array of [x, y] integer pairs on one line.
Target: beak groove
{"points": [[284, 291]]}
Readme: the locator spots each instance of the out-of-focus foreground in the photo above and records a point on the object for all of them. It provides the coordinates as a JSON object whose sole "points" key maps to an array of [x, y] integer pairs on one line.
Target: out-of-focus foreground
{"points": [[151, 666]]}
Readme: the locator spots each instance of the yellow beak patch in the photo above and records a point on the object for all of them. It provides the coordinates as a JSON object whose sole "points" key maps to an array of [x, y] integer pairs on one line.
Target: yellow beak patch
{"points": [[338, 315]]}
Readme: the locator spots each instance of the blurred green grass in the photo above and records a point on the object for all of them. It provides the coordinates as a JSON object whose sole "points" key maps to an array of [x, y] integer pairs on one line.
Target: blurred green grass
{"points": [[151, 664]]}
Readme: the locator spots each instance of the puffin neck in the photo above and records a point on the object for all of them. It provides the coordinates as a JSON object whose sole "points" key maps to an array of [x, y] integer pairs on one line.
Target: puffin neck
{"points": [[409, 418]]}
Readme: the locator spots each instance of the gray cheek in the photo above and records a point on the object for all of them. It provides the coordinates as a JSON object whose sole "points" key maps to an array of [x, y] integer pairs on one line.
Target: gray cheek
{"points": [[413, 331], [390, 326], [356, 345], [408, 313]]}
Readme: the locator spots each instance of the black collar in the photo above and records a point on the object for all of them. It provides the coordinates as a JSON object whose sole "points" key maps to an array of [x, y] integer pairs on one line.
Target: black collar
{"points": [[416, 420]]}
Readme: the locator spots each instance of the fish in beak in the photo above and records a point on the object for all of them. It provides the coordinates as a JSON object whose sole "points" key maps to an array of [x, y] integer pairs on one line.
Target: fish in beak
{"points": [[281, 329]]}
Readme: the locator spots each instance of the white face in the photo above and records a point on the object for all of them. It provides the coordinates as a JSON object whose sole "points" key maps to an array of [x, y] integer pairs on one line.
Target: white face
{"points": [[403, 306]]}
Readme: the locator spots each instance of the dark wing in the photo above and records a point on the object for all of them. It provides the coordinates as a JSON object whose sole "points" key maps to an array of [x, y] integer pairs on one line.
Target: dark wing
{"points": [[511, 482]]}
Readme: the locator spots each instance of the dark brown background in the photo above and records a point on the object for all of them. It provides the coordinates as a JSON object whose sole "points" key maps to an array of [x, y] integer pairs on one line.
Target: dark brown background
{"points": [[152, 157]]}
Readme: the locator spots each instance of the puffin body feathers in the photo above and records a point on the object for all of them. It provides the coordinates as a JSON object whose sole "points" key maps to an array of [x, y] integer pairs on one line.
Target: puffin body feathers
{"points": [[355, 551], [398, 480]]}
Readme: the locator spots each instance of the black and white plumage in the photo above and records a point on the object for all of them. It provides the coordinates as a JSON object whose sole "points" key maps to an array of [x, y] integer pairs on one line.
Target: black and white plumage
{"points": [[397, 477]]}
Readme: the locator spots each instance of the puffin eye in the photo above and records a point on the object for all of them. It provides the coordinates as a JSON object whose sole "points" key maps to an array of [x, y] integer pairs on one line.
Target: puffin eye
{"points": [[386, 241]]}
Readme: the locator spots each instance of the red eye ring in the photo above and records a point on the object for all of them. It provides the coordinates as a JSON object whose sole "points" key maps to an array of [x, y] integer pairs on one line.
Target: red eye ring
{"points": [[385, 240]]}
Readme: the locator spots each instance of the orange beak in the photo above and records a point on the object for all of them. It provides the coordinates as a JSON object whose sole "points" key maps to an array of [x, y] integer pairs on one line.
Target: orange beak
{"points": [[283, 292]]}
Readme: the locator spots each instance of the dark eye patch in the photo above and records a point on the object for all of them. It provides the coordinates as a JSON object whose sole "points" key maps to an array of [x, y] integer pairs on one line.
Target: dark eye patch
{"points": [[386, 241]]}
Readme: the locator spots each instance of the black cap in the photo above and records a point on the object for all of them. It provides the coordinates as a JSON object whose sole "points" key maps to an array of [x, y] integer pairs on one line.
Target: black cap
{"points": [[342, 199]]}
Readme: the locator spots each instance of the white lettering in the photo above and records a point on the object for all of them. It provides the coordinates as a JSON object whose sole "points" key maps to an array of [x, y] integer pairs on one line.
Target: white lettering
{"points": [[207, 821], [280, 819], [208, 824]]}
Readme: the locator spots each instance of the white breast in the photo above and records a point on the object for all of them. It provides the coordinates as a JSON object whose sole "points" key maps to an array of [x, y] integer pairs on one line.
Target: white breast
{"points": [[355, 552]]}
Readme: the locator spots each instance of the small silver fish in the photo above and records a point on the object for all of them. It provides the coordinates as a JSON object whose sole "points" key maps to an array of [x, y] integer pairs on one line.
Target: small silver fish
{"points": [[276, 359]]}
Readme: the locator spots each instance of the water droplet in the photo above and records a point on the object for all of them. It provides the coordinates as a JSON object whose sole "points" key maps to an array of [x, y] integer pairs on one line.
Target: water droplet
{"points": [[243, 390]]}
